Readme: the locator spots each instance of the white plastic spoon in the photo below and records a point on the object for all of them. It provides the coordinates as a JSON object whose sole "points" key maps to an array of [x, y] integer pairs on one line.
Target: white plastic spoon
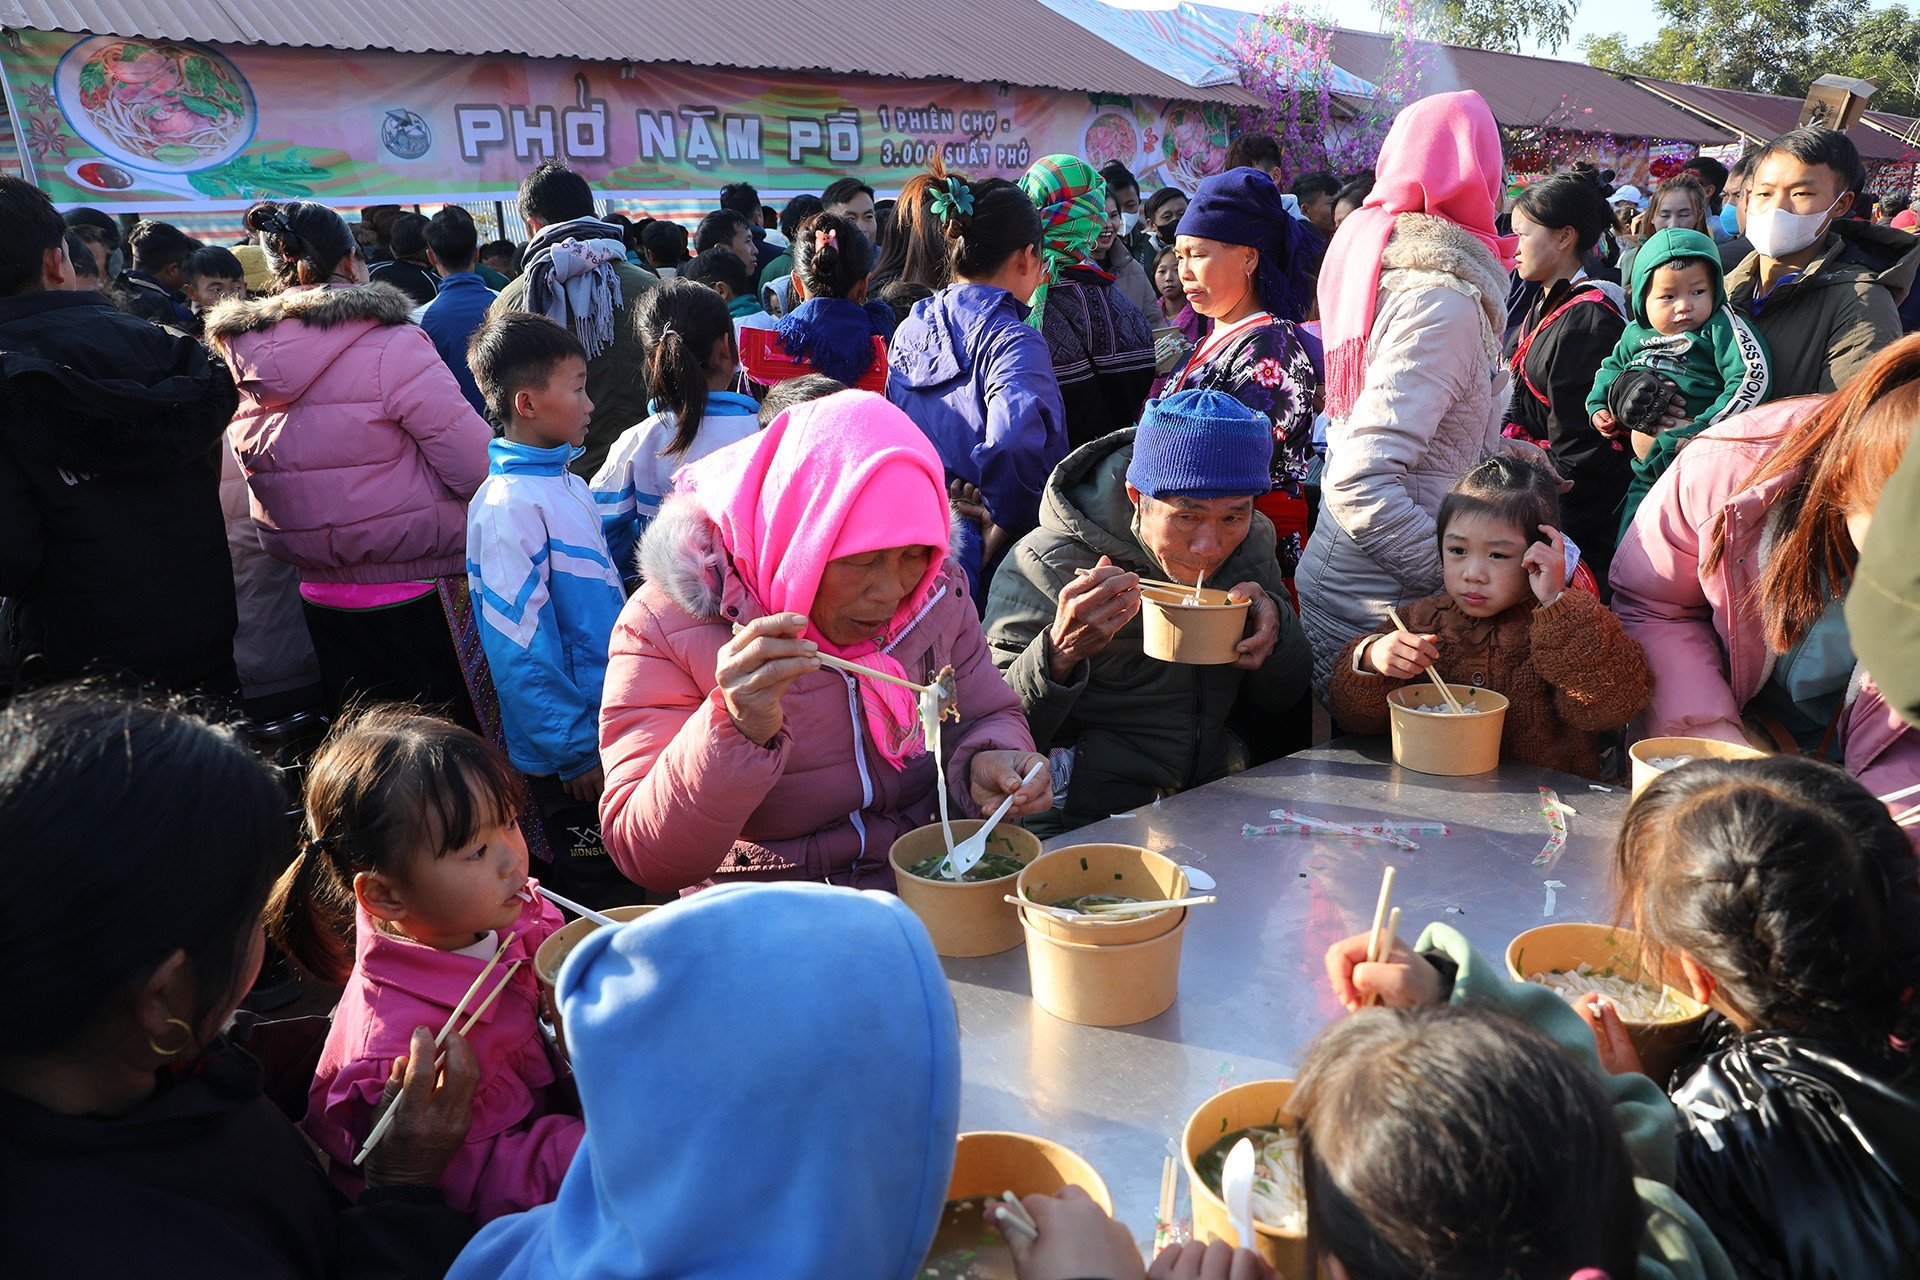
{"points": [[1236, 1189], [968, 852]]}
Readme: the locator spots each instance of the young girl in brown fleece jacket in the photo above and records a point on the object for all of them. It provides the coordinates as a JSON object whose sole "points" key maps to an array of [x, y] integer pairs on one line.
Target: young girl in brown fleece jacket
{"points": [[1508, 623]]}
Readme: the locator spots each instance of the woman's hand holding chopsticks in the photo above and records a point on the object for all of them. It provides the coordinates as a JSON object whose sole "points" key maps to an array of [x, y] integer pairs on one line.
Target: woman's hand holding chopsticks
{"points": [[436, 1110]]}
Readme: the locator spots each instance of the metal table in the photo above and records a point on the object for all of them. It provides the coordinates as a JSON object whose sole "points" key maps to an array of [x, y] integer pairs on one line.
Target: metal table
{"points": [[1253, 989]]}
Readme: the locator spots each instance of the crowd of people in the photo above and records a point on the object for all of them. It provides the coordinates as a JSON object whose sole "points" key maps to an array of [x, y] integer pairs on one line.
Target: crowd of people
{"points": [[616, 558]]}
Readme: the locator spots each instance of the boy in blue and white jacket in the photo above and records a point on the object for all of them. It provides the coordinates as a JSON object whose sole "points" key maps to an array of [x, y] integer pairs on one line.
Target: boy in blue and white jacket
{"points": [[545, 589]]}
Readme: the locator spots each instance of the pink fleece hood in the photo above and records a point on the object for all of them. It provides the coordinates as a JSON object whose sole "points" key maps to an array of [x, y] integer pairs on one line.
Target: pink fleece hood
{"points": [[831, 478]]}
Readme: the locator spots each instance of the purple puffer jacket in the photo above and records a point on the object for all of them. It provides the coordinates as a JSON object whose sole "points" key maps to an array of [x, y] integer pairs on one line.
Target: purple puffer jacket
{"points": [[973, 375], [359, 448]]}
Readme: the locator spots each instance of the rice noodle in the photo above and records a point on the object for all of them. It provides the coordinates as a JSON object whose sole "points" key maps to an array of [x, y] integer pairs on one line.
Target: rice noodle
{"points": [[1635, 1001], [1666, 763]]}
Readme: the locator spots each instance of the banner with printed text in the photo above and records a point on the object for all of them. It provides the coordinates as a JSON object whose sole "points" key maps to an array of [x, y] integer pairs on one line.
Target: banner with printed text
{"points": [[153, 125]]}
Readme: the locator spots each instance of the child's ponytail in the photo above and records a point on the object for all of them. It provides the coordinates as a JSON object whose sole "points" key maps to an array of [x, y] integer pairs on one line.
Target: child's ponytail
{"points": [[309, 913], [679, 324], [1790, 884], [831, 256], [389, 785]]}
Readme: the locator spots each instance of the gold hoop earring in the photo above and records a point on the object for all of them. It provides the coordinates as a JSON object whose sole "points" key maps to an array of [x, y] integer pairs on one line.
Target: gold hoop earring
{"points": [[173, 1053]]}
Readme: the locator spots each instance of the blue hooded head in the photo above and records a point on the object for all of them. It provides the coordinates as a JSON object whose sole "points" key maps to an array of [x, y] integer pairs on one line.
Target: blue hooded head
{"points": [[771, 1081]]}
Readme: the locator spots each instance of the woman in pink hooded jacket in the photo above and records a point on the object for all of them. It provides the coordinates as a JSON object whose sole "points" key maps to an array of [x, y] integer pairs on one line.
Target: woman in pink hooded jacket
{"points": [[730, 750], [1733, 574], [360, 453]]}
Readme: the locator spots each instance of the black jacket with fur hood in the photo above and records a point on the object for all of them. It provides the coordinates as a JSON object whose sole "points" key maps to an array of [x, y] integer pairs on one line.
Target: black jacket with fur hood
{"points": [[113, 553]]}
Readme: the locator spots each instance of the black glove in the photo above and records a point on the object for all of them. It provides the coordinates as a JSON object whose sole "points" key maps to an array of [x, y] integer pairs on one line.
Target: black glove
{"points": [[1639, 398]]}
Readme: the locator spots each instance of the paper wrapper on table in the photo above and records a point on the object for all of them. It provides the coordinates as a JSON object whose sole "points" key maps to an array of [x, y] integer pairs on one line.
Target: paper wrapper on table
{"points": [[1647, 750], [1450, 745], [1554, 947], [1199, 635], [965, 917], [554, 952], [987, 1162], [1257, 1104]]}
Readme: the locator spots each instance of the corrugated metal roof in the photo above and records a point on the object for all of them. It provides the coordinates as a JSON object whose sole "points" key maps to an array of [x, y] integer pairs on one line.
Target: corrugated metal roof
{"points": [[1018, 42], [1524, 91], [1759, 117]]}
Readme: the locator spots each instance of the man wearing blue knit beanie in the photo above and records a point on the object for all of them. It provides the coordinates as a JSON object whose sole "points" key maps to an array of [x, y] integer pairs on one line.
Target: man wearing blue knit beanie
{"points": [[1171, 499]]}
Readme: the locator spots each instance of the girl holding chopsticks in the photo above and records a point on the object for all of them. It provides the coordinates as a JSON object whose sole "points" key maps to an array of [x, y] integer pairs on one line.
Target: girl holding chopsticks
{"points": [[1509, 622], [413, 845]]}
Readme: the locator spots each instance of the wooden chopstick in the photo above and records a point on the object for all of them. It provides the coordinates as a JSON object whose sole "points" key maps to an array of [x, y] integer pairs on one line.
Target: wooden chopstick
{"points": [[585, 913], [855, 669], [1433, 675], [1901, 794], [386, 1121], [1379, 922]]}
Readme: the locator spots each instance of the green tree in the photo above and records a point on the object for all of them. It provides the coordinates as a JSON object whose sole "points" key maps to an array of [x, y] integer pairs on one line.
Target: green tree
{"points": [[1503, 25], [1883, 46], [1764, 46]]}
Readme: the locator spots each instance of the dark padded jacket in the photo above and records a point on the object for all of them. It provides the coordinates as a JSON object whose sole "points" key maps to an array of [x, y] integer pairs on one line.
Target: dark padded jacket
{"points": [[113, 552]]}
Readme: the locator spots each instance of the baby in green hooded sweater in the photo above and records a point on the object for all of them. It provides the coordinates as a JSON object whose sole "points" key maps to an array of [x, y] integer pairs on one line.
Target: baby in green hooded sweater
{"points": [[1686, 333]]}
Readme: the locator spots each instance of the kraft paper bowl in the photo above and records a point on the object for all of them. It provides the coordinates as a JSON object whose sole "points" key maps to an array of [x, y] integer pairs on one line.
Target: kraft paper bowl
{"points": [[1124, 869], [554, 952], [965, 917], [1257, 1104], [1644, 752], [1552, 948], [1448, 745], [988, 1162], [1200, 635]]}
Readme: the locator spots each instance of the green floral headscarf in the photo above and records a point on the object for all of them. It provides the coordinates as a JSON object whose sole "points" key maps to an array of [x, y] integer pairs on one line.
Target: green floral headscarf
{"points": [[1072, 199]]}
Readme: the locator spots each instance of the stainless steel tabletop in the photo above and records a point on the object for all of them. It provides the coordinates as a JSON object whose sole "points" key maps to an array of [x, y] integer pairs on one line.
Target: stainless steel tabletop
{"points": [[1253, 989]]}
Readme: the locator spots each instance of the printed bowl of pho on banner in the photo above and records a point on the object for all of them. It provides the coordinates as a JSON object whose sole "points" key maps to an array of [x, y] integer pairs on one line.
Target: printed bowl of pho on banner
{"points": [[156, 105]]}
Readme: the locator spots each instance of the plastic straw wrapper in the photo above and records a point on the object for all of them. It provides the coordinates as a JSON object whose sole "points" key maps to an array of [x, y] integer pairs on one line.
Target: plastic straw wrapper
{"points": [[1555, 813], [1381, 829], [1377, 831]]}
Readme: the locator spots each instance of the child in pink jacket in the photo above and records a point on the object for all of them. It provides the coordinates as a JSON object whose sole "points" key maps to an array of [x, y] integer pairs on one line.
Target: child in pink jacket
{"points": [[414, 837]]}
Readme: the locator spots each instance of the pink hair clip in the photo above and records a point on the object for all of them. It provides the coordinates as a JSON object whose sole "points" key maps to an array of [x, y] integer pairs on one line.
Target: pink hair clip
{"points": [[828, 239]]}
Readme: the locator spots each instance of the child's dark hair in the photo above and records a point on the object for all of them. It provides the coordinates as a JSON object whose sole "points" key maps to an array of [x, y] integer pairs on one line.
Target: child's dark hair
{"points": [[664, 243], [1003, 222], [1506, 487], [128, 831], [80, 254], [305, 242], [1453, 1144], [513, 351], [901, 296], [679, 324], [831, 256], [721, 266], [389, 784], [213, 263], [797, 211], [155, 246], [454, 238], [1789, 883], [788, 392]]}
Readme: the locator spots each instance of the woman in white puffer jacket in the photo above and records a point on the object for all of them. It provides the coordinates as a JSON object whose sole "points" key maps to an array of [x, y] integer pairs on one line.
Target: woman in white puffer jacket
{"points": [[1413, 303]]}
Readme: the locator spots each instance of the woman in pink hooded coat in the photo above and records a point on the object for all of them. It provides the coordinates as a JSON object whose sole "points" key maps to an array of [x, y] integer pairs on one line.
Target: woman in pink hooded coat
{"points": [[360, 454], [1733, 574], [730, 750]]}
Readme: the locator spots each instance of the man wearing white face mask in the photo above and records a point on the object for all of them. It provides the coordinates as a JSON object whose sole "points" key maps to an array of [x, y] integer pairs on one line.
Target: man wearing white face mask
{"points": [[1823, 290]]}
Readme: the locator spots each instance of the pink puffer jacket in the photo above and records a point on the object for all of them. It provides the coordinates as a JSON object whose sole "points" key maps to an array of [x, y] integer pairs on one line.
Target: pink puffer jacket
{"points": [[1702, 636], [690, 801], [360, 450]]}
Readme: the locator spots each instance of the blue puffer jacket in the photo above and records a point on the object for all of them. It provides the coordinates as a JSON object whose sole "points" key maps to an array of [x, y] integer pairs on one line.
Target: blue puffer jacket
{"points": [[971, 373], [548, 596]]}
